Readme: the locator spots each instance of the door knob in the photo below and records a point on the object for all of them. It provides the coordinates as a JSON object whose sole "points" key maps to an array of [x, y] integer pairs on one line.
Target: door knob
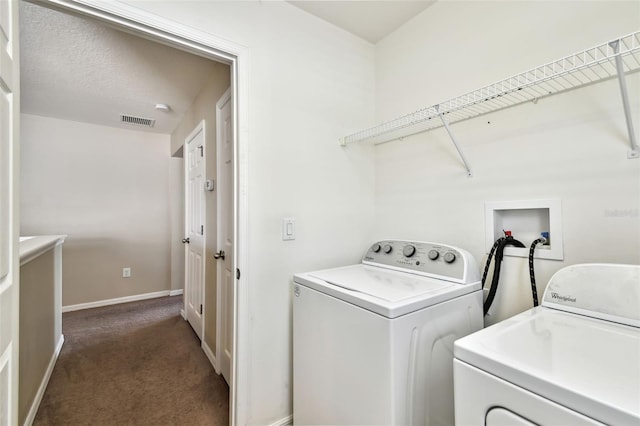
{"points": [[219, 255], [185, 241]]}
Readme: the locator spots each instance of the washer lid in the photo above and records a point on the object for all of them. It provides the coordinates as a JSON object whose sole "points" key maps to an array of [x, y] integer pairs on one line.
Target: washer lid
{"points": [[588, 365], [381, 283], [386, 292]]}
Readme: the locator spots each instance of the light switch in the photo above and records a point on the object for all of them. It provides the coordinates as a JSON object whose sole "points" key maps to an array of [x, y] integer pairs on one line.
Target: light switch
{"points": [[288, 229]]}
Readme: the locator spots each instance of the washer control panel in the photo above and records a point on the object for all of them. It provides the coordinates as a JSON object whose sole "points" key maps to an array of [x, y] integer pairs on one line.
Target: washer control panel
{"points": [[424, 258]]}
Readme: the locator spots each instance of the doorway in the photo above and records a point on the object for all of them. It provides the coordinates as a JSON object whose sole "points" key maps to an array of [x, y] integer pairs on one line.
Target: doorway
{"points": [[202, 44]]}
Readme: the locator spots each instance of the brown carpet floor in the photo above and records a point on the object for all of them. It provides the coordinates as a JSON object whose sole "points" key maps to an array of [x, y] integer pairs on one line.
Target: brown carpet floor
{"points": [[135, 363]]}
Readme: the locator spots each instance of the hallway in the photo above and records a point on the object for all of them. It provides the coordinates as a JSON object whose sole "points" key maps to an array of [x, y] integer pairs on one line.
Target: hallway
{"points": [[137, 363]]}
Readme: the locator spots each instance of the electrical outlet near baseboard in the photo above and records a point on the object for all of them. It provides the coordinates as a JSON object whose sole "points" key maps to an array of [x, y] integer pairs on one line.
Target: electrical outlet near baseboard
{"points": [[126, 272]]}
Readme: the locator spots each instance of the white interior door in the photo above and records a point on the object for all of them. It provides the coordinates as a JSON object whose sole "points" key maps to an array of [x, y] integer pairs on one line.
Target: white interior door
{"points": [[226, 302], [195, 219], [9, 269]]}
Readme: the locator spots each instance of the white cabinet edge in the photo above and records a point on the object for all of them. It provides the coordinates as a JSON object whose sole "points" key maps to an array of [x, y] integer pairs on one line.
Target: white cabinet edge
{"points": [[33, 247]]}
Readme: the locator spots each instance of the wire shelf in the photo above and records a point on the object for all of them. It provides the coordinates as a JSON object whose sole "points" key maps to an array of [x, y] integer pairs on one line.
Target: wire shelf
{"points": [[571, 72]]}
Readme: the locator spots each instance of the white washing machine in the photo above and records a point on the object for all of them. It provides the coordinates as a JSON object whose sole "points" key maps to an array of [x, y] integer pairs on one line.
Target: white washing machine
{"points": [[373, 342], [575, 360]]}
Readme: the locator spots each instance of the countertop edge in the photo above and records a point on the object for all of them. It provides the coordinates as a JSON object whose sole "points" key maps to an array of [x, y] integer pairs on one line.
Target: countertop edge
{"points": [[37, 245]]}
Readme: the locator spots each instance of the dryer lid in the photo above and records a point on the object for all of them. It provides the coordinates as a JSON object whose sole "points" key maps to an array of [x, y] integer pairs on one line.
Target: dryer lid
{"points": [[605, 291], [585, 364]]}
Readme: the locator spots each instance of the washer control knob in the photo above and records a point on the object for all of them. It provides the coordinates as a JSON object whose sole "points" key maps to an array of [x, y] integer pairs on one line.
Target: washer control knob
{"points": [[409, 251], [375, 248], [433, 254], [387, 248], [449, 257]]}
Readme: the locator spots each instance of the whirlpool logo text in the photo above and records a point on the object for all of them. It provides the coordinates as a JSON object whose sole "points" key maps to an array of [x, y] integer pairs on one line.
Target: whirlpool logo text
{"points": [[562, 298]]}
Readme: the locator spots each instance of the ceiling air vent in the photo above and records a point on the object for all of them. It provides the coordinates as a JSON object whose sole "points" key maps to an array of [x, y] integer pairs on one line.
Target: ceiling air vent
{"points": [[137, 121]]}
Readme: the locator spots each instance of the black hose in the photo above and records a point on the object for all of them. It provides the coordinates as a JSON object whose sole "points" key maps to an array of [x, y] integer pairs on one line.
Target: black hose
{"points": [[499, 254], [486, 266], [532, 275]]}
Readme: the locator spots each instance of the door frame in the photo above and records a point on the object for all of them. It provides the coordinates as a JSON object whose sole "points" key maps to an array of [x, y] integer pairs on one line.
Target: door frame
{"points": [[219, 244], [174, 34], [9, 246]]}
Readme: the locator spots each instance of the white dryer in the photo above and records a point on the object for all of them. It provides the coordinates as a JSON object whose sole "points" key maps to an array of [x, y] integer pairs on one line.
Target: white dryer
{"points": [[373, 342], [574, 360]]}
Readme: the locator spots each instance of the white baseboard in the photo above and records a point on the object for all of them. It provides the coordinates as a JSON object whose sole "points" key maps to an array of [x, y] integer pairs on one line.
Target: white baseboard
{"points": [[31, 415], [176, 292], [115, 301], [212, 358], [286, 421], [183, 314]]}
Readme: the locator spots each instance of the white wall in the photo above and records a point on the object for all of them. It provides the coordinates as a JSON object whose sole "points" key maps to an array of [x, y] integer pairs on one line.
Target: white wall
{"points": [[108, 190], [309, 83], [176, 203], [571, 146]]}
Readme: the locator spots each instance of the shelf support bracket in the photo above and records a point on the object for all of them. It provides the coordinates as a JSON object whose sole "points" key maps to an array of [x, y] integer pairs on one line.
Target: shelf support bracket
{"points": [[634, 152], [454, 140]]}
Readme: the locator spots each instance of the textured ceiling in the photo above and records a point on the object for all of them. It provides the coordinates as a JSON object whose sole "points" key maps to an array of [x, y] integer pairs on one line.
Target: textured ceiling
{"points": [[370, 20], [80, 70]]}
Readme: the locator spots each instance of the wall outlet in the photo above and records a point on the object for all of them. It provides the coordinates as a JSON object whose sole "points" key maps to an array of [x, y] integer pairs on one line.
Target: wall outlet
{"points": [[126, 272]]}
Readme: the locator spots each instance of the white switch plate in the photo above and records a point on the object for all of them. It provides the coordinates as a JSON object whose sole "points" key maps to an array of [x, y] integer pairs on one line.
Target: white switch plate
{"points": [[288, 229], [126, 272]]}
